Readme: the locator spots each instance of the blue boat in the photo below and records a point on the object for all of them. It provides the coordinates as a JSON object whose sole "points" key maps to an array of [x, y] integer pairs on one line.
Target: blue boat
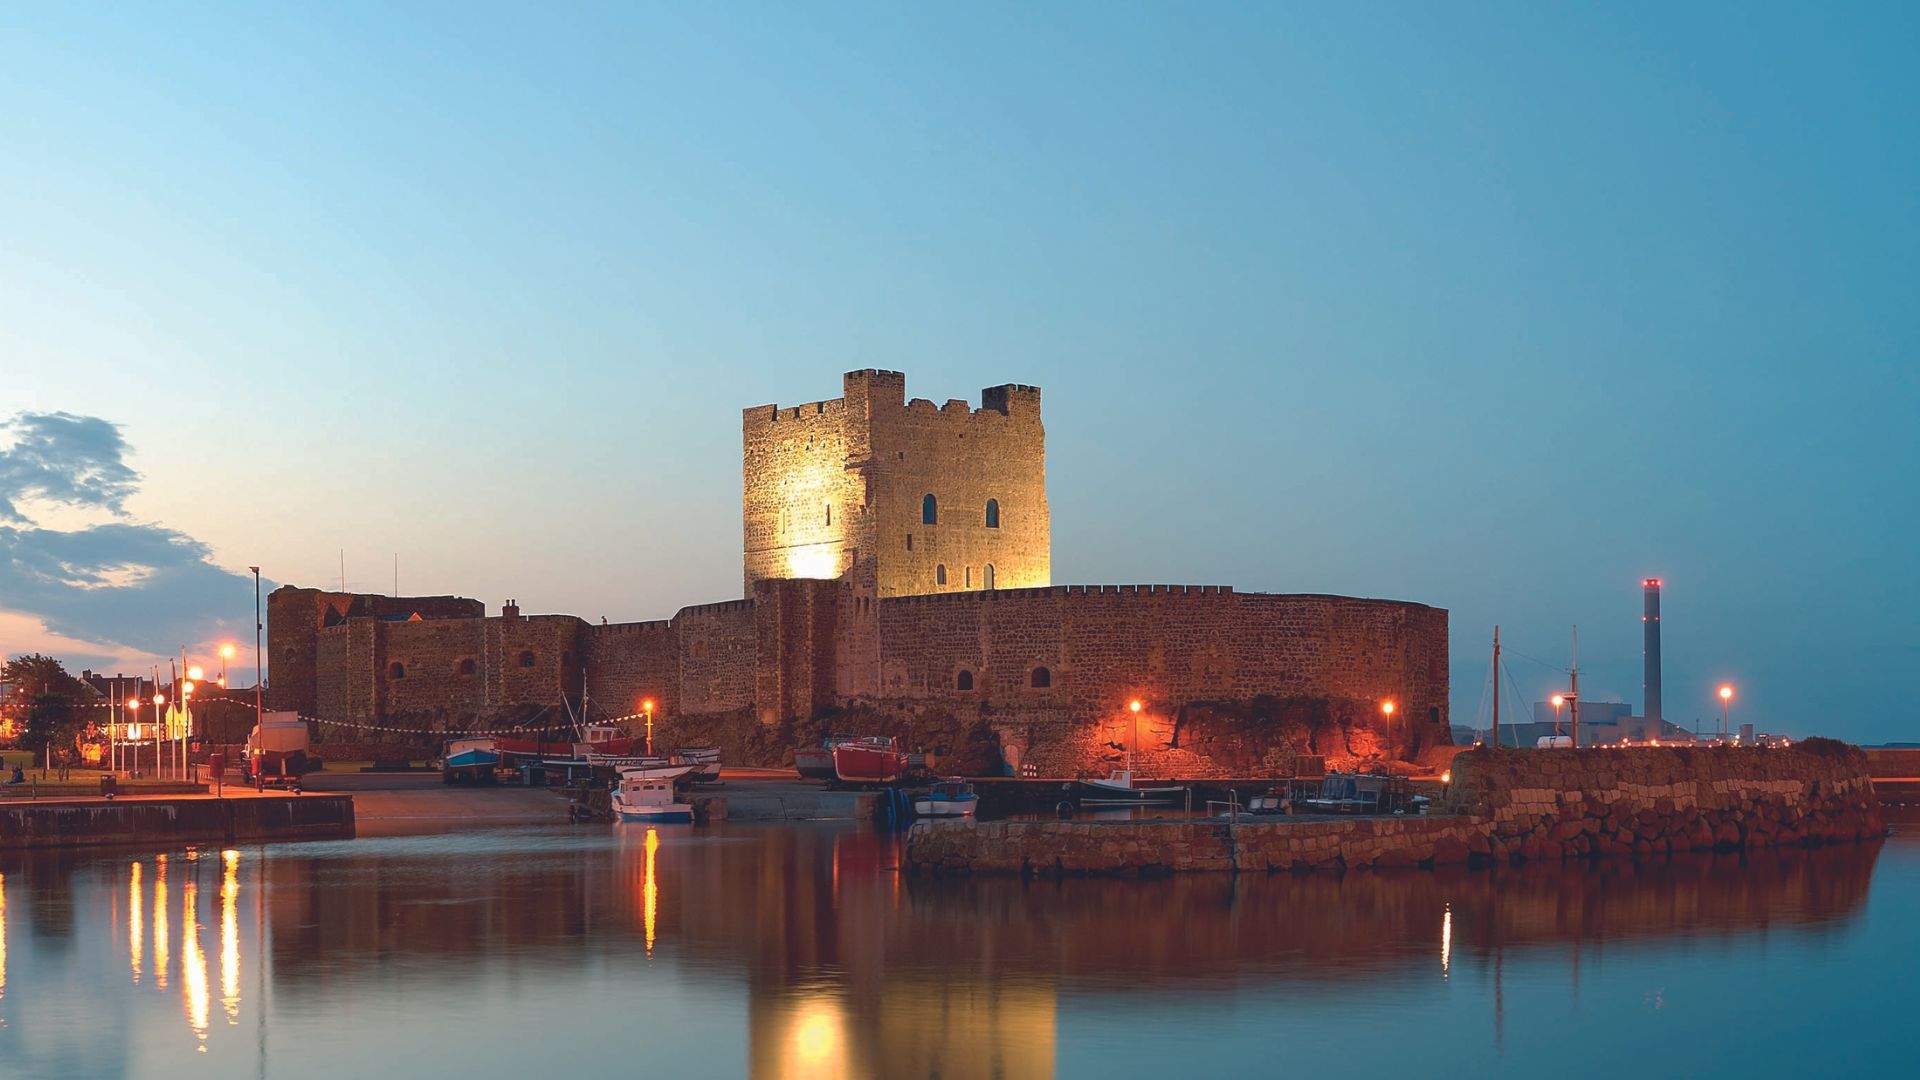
{"points": [[952, 797], [469, 761]]}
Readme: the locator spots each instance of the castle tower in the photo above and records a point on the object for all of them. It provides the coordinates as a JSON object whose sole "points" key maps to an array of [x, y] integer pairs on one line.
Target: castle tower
{"points": [[900, 497]]}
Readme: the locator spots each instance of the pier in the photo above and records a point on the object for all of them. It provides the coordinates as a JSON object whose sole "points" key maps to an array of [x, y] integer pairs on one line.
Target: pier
{"points": [[1512, 806], [167, 820]]}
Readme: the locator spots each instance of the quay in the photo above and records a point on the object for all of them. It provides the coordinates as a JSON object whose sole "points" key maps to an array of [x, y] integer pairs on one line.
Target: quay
{"points": [[161, 820], [1503, 805]]}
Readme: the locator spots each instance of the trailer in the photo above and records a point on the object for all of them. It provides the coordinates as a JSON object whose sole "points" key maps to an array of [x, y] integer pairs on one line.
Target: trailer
{"points": [[277, 751]]}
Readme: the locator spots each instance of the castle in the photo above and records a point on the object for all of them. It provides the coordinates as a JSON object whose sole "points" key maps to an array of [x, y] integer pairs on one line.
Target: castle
{"points": [[897, 564]]}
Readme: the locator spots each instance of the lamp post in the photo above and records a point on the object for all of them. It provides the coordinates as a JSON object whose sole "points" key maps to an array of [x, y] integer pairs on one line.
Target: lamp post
{"points": [[258, 713], [226, 654], [159, 699], [647, 708], [133, 721], [1726, 700], [1133, 707], [1558, 701]]}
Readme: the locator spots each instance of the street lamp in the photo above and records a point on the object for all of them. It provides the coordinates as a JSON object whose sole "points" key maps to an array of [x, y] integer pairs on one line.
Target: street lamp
{"points": [[1386, 708], [1558, 701], [226, 654], [1133, 707], [1726, 700], [647, 708]]}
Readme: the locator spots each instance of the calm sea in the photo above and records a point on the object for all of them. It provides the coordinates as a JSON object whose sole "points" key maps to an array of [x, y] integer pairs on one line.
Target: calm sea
{"points": [[624, 951]]}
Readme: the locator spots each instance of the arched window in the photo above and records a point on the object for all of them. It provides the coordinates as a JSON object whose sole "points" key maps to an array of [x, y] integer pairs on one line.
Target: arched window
{"points": [[993, 513], [940, 574], [467, 666], [987, 581], [964, 680], [1042, 677], [397, 670], [526, 658], [929, 510]]}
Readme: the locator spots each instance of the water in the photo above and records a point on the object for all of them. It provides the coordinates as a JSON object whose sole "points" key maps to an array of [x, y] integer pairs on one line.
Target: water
{"points": [[799, 952]]}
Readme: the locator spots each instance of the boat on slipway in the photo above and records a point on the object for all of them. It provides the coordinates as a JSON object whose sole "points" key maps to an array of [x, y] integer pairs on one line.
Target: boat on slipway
{"points": [[650, 768], [705, 761], [874, 759]]}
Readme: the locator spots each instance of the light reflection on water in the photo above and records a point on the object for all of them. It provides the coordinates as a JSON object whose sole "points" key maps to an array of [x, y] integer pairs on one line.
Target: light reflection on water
{"points": [[799, 951]]}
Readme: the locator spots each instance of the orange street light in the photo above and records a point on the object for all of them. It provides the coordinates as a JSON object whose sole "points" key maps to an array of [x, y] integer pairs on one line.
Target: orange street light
{"points": [[1386, 707], [1726, 699], [226, 652], [1726, 693], [159, 699], [186, 689], [133, 704], [1134, 705]]}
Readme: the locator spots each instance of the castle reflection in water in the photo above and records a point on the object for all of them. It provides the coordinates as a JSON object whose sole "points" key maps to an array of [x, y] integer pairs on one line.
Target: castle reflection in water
{"points": [[847, 968]]}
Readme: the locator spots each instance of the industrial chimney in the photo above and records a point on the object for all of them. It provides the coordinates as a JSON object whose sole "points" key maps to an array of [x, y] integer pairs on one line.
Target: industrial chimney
{"points": [[1650, 657]]}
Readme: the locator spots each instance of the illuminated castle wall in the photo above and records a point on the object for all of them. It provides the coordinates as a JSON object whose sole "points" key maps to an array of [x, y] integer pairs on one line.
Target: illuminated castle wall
{"points": [[898, 562], [907, 497]]}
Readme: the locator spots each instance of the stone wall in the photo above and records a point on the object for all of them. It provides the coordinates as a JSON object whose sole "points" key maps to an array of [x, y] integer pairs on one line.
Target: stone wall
{"points": [[1507, 806], [1232, 683], [295, 618]]}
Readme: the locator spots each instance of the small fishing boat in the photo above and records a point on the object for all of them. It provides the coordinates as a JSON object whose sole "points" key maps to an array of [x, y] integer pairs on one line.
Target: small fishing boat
{"points": [[874, 759], [704, 759], [952, 797], [650, 799], [1118, 789]]}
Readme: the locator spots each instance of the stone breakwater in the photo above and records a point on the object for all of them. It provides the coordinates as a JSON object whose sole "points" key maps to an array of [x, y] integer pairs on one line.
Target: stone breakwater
{"points": [[1511, 806], [162, 822]]}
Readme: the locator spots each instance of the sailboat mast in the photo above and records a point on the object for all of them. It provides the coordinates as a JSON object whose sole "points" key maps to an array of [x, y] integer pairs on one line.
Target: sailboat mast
{"points": [[1573, 688], [1496, 686]]}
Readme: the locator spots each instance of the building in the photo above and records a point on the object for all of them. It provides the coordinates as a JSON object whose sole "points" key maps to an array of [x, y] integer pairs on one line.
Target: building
{"points": [[897, 567]]}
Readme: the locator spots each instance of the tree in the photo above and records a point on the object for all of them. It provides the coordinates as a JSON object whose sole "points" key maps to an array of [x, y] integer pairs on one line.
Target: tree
{"points": [[51, 699]]}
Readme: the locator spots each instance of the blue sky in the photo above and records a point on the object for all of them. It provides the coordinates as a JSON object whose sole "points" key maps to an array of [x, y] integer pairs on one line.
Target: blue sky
{"points": [[1495, 307]]}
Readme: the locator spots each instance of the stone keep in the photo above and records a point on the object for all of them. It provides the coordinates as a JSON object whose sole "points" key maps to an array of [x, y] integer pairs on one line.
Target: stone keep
{"points": [[903, 498]]}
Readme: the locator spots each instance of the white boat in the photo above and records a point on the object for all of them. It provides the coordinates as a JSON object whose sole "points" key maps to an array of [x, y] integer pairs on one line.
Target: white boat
{"points": [[704, 759], [1118, 788], [950, 798], [646, 798], [651, 769]]}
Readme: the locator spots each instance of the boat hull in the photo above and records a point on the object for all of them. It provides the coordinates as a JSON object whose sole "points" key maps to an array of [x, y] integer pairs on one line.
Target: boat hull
{"points": [[1097, 792], [675, 813], [815, 763], [857, 763], [946, 808]]}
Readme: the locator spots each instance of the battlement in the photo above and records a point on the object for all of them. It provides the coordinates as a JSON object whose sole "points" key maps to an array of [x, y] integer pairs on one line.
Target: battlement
{"points": [[615, 629], [992, 595], [718, 607]]}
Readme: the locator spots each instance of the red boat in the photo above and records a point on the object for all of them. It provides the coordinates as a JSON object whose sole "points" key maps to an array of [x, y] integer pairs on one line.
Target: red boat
{"points": [[875, 759]]}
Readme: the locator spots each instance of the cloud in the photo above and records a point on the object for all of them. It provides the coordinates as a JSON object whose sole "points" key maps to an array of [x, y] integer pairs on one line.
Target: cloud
{"points": [[125, 583], [63, 458]]}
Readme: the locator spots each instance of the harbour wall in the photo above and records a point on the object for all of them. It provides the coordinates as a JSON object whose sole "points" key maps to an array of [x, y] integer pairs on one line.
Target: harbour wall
{"points": [[159, 822], [1512, 806]]}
